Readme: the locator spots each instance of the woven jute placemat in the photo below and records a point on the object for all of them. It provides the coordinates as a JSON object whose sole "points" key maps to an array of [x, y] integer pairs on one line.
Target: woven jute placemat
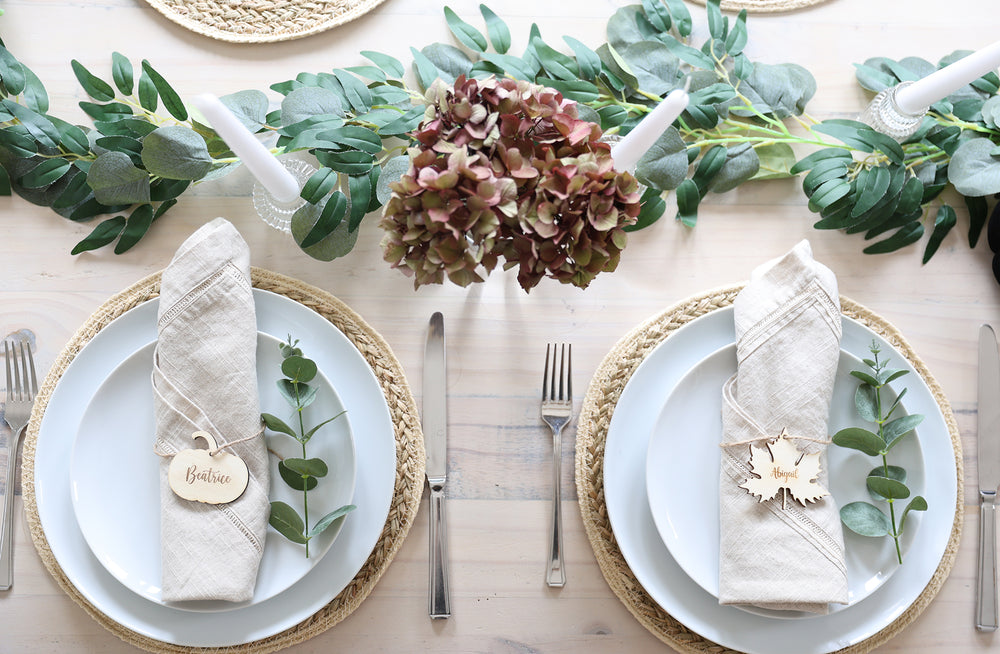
{"points": [[408, 485], [765, 6], [592, 429], [261, 21]]}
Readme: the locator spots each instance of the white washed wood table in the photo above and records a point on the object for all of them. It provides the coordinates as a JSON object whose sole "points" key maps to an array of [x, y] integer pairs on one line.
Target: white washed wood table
{"points": [[499, 450]]}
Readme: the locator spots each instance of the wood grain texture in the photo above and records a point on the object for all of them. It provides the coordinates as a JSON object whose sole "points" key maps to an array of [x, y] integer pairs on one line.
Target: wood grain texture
{"points": [[499, 449]]}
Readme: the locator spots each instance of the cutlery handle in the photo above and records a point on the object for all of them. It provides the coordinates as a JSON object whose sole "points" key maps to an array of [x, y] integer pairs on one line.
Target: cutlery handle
{"points": [[555, 574], [986, 605], [7, 526], [439, 597]]}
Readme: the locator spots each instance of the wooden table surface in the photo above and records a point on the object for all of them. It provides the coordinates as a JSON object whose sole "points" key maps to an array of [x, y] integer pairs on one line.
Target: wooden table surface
{"points": [[499, 451]]}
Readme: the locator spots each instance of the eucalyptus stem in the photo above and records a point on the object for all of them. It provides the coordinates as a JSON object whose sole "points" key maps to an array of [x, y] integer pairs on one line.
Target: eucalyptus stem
{"points": [[882, 419], [302, 442]]}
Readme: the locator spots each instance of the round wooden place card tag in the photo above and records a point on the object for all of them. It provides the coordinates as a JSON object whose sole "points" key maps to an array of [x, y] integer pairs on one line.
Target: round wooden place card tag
{"points": [[209, 476]]}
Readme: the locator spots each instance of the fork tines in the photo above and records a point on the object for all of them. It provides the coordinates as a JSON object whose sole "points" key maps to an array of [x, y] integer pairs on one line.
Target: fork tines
{"points": [[16, 390], [561, 358]]}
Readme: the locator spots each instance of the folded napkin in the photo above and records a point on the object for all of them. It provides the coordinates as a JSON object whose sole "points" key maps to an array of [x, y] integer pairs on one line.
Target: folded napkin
{"points": [[205, 378], [788, 333]]}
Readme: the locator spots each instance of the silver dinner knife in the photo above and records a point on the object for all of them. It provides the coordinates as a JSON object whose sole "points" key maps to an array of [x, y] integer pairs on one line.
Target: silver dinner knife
{"points": [[435, 426], [988, 439]]}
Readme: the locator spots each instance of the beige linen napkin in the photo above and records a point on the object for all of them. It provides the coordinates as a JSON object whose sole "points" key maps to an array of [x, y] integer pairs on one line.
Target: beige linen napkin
{"points": [[788, 333], [205, 378]]}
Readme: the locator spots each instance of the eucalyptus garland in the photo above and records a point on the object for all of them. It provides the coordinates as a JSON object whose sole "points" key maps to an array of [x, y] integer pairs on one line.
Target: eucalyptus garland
{"points": [[144, 149]]}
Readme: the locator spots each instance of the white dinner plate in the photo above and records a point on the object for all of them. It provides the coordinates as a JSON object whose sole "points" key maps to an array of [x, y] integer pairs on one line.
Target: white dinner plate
{"points": [[376, 472], [666, 582], [113, 453], [683, 467]]}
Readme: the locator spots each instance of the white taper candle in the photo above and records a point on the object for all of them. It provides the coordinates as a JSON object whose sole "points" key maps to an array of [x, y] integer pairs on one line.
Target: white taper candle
{"points": [[627, 152], [916, 97], [261, 163]]}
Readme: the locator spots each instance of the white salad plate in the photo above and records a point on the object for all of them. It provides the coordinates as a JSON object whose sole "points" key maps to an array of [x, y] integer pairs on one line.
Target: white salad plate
{"points": [[683, 467], [359, 391], [626, 448], [115, 477]]}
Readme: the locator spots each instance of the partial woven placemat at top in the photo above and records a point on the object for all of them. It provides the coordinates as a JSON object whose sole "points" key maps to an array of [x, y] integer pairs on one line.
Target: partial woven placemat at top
{"points": [[765, 6], [599, 404], [261, 21], [408, 484]]}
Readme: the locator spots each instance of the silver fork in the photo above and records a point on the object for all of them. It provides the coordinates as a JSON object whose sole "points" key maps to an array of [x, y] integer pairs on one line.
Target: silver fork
{"points": [[22, 387], [557, 411]]}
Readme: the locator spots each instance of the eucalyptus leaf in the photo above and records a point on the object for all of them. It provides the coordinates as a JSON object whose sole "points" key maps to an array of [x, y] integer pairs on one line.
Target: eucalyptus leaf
{"points": [[275, 423], [35, 96], [896, 429], [860, 439], [309, 434], [943, 223], [392, 171], [587, 61], [360, 187], [497, 30], [93, 85], [295, 480], [136, 226], [449, 60], [742, 163], [782, 89], [249, 107], [171, 100], [307, 467], [866, 403], [287, 522], [121, 73], [865, 519], [116, 180], [324, 523], [887, 488], [665, 164], [622, 29], [973, 170], [105, 232], [392, 67], [918, 503], [46, 173], [12, 74], [336, 242], [176, 152], [688, 199], [655, 67], [299, 369], [468, 35], [906, 235], [309, 101]]}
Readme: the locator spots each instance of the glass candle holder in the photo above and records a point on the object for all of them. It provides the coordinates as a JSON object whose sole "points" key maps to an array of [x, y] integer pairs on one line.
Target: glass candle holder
{"points": [[273, 211], [884, 115]]}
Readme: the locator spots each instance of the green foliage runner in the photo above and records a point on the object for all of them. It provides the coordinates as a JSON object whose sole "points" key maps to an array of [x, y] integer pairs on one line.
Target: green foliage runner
{"points": [[144, 149]]}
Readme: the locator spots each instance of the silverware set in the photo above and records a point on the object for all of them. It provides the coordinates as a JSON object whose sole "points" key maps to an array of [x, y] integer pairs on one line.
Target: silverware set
{"points": [[556, 412], [22, 387]]}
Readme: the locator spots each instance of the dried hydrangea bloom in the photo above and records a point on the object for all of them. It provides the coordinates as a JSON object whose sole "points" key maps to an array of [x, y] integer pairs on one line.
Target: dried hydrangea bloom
{"points": [[506, 169]]}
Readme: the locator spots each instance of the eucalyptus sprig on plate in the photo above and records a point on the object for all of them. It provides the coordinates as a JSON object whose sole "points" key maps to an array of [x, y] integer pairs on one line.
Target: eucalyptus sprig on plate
{"points": [[886, 483], [301, 474]]}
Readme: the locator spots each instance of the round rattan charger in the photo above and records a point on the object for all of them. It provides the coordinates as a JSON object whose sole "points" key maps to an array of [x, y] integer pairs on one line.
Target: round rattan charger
{"points": [[765, 6], [409, 459], [261, 21], [605, 389]]}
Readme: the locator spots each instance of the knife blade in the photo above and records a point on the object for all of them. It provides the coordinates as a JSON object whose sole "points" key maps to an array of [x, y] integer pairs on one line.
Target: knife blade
{"points": [[435, 427], [988, 441]]}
